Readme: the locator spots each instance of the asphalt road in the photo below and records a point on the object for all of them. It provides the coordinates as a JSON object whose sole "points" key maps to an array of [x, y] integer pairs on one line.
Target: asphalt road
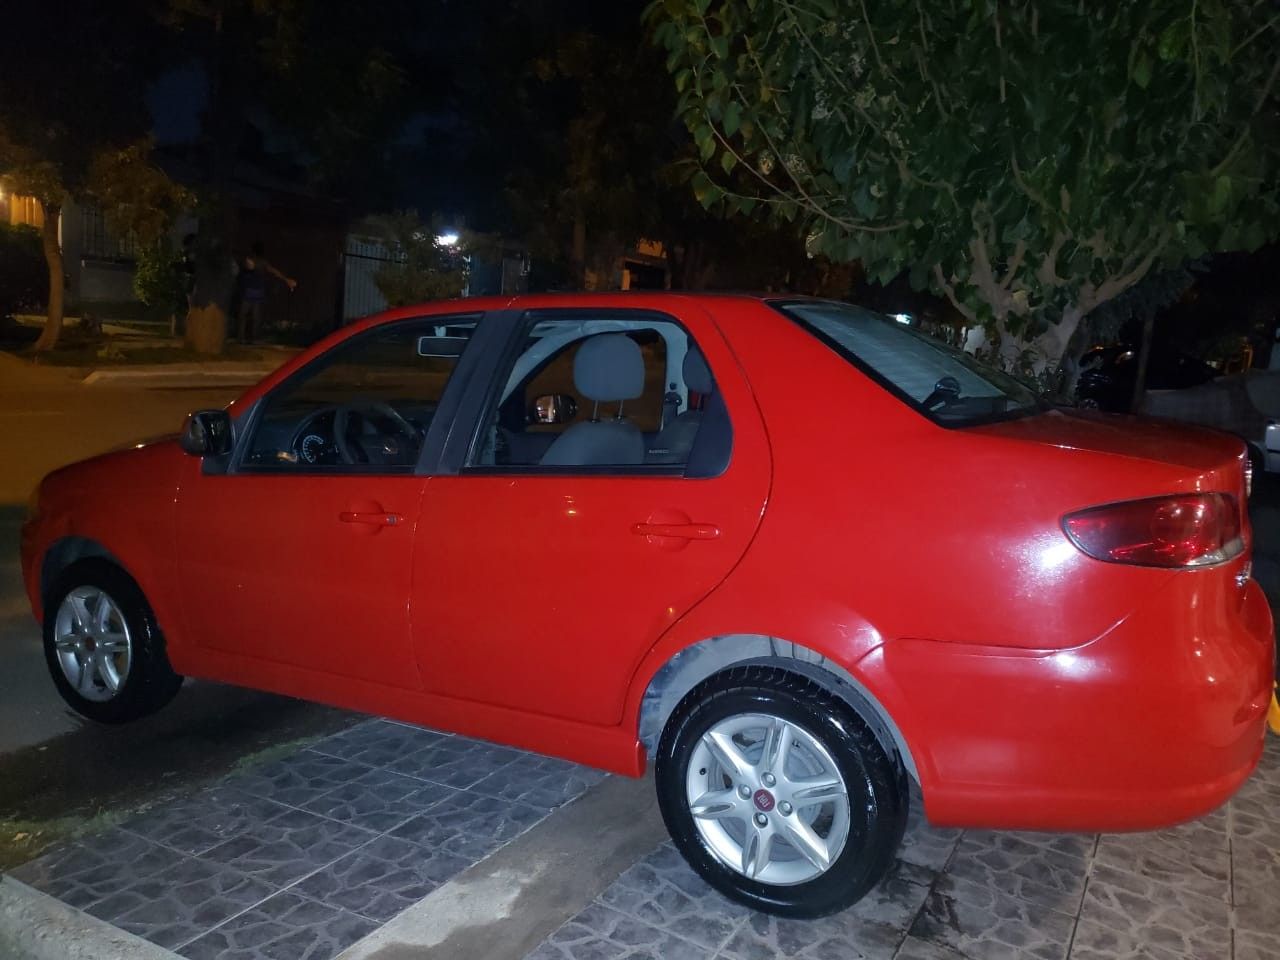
{"points": [[47, 420], [57, 770]]}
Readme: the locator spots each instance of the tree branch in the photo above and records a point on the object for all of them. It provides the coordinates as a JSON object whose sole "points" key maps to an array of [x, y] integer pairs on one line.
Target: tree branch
{"points": [[1047, 273], [950, 291], [1244, 134]]}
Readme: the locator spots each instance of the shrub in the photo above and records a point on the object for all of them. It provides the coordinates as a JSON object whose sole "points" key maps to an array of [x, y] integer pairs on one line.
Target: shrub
{"points": [[24, 276]]}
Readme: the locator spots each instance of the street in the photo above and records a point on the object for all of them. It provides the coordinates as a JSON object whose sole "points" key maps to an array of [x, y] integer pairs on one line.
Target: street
{"points": [[57, 770]]}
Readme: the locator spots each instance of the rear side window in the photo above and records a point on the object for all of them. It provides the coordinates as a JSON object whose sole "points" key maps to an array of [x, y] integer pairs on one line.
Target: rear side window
{"points": [[605, 392], [946, 384]]}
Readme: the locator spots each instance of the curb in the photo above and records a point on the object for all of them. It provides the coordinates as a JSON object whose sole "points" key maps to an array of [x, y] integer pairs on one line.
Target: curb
{"points": [[181, 372], [506, 904], [35, 926]]}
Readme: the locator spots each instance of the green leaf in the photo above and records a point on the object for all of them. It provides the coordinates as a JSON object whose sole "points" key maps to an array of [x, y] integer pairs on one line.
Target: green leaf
{"points": [[707, 149], [728, 161], [1142, 70], [1219, 195], [732, 117], [1173, 40]]}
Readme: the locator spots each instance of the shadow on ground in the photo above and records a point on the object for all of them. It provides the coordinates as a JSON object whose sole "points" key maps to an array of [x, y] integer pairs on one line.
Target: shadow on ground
{"points": [[94, 774]]}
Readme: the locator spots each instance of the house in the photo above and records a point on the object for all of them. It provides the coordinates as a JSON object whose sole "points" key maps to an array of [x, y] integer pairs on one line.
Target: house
{"points": [[303, 235], [98, 264]]}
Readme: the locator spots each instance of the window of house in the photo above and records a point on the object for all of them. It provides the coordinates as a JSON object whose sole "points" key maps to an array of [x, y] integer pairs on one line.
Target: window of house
{"points": [[100, 242]]}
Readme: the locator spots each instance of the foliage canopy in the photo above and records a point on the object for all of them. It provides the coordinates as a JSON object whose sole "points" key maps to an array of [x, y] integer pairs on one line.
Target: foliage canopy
{"points": [[1029, 159]]}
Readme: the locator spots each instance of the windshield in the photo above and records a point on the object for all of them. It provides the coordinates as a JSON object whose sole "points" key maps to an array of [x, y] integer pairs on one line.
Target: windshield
{"points": [[946, 384]]}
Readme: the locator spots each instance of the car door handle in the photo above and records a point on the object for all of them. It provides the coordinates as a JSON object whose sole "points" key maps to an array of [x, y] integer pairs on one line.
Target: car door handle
{"points": [[373, 519], [677, 531]]}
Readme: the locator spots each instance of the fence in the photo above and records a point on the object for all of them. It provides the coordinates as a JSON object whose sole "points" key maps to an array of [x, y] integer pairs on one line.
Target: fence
{"points": [[362, 260]]}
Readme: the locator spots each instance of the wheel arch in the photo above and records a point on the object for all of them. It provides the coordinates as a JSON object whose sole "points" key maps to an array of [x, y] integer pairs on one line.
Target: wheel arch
{"points": [[65, 551], [695, 663]]}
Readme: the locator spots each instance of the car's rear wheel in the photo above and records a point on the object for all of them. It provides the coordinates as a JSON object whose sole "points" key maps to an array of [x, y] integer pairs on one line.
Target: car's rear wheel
{"points": [[778, 793], [102, 645]]}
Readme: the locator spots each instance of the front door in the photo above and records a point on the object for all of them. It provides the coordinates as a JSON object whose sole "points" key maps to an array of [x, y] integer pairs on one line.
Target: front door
{"points": [[560, 553], [301, 553]]}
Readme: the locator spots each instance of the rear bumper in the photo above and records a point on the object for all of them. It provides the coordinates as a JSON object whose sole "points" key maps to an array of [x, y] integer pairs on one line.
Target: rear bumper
{"points": [[1158, 721]]}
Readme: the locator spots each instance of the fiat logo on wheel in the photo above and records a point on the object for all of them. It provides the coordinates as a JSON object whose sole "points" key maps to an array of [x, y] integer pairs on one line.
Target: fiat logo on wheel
{"points": [[763, 800]]}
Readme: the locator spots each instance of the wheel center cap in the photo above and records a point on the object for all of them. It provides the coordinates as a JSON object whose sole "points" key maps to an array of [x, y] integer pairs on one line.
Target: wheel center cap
{"points": [[763, 800], [89, 643]]}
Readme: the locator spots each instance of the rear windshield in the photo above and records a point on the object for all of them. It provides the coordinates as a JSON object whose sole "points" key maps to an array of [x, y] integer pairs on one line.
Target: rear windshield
{"points": [[946, 384]]}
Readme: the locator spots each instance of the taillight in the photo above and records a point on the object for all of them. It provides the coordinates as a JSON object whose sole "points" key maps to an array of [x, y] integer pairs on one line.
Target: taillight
{"points": [[1186, 530]]}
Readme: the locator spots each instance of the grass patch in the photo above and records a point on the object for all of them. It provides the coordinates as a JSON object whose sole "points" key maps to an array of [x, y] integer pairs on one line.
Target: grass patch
{"points": [[23, 840], [276, 751]]}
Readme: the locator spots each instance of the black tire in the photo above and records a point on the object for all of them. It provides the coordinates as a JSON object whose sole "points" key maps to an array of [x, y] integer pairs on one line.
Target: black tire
{"points": [[875, 780], [150, 682]]}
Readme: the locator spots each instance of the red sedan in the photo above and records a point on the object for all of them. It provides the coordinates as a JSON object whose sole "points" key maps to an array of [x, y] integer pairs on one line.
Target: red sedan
{"points": [[790, 550]]}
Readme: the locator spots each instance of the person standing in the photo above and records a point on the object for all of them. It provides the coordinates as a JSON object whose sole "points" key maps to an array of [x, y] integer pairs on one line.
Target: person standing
{"points": [[251, 286]]}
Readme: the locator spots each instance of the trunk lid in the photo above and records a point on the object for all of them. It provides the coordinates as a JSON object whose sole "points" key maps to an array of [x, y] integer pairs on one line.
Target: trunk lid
{"points": [[1158, 441]]}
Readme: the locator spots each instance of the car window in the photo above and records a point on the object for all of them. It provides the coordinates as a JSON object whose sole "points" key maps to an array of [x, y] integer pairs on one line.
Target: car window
{"points": [[946, 384], [595, 393], [365, 405], [556, 378]]}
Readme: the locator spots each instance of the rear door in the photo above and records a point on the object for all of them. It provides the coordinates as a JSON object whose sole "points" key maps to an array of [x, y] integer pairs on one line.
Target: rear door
{"points": [[540, 588]]}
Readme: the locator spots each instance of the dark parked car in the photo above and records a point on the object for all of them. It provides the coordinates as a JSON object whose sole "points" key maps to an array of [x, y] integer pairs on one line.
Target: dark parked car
{"points": [[1108, 376]]}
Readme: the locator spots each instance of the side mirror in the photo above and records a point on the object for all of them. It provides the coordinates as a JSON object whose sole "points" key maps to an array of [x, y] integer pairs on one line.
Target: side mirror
{"points": [[207, 433], [553, 408]]}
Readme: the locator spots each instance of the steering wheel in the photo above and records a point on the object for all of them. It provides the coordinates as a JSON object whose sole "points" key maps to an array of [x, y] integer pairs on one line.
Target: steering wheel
{"points": [[350, 449]]}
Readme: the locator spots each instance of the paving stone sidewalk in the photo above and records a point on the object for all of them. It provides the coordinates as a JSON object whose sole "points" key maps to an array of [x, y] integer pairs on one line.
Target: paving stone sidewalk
{"points": [[1207, 890], [302, 856]]}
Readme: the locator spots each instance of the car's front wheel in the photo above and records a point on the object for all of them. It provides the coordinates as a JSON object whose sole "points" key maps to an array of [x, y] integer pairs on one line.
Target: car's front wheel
{"points": [[778, 793], [102, 645]]}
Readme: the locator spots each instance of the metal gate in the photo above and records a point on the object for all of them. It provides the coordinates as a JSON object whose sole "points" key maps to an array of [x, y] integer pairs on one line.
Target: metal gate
{"points": [[362, 259]]}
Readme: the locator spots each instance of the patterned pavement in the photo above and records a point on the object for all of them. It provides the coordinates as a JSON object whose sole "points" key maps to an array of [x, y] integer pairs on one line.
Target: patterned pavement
{"points": [[300, 857], [1207, 890]]}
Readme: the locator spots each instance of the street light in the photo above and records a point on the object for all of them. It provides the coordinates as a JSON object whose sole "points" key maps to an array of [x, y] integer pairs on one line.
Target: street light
{"points": [[902, 317], [447, 239]]}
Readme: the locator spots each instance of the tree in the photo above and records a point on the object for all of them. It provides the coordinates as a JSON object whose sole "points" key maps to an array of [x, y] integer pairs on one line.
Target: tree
{"points": [[580, 155], [325, 76], [426, 265], [61, 116], [1029, 159], [23, 277]]}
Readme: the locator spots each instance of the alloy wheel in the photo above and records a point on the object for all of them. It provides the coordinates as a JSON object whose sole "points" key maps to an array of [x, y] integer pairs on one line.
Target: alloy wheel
{"points": [[93, 644], [767, 799]]}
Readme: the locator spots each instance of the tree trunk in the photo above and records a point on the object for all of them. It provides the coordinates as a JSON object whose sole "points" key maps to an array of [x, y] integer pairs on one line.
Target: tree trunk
{"points": [[206, 328], [1144, 357], [53, 257], [1050, 349], [214, 278], [975, 338]]}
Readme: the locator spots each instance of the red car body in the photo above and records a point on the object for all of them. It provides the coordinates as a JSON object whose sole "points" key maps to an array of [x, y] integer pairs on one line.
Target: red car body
{"points": [[1026, 684]]}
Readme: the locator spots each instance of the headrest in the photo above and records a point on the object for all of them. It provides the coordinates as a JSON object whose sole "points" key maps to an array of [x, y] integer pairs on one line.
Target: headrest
{"points": [[609, 367], [697, 375]]}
